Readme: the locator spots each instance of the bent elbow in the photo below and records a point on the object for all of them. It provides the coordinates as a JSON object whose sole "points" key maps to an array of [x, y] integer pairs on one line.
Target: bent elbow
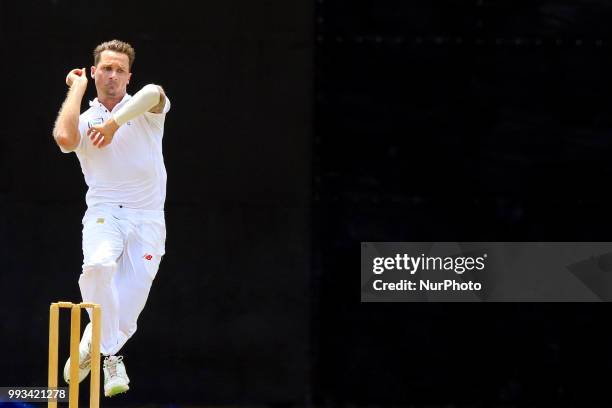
{"points": [[152, 88], [65, 142], [153, 93]]}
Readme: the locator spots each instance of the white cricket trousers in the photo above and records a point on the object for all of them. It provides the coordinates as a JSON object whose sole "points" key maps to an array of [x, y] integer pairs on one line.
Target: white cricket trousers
{"points": [[122, 249]]}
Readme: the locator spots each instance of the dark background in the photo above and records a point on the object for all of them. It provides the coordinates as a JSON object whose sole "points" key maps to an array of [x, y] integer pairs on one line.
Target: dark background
{"points": [[460, 121], [299, 129]]}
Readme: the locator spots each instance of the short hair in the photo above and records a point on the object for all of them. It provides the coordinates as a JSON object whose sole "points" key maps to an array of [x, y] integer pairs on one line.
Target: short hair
{"points": [[117, 46]]}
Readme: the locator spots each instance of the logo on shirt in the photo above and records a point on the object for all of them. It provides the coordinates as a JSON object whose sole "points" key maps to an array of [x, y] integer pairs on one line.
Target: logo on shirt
{"points": [[100, 221], [94, 122], [148, 257]]}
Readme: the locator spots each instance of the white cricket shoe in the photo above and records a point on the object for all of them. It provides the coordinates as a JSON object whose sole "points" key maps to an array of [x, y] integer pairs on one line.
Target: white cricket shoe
{"points": [[115, 378], [84, 357]]}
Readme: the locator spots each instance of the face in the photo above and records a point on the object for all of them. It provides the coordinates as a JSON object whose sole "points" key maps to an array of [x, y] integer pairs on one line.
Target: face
{"points": [[112, 74]]}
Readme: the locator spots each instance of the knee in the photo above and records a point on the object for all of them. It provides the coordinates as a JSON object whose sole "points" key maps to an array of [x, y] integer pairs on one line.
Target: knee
{"points": [[98, 270]]}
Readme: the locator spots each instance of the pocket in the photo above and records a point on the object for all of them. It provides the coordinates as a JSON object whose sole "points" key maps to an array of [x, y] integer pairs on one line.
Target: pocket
{"points": [[102, 239], [153, 234], [94, 216]]}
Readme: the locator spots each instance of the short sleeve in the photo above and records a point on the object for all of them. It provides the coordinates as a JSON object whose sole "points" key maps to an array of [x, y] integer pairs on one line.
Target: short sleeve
{"points": [[157, 119]]}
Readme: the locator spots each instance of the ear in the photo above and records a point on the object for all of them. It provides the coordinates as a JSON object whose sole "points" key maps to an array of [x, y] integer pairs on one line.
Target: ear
{"points": [[93, 71], [129, 77]]}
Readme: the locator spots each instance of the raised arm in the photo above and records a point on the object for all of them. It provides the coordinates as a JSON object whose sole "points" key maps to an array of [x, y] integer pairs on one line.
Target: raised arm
{"points": [[151, 98], [66, 130]]}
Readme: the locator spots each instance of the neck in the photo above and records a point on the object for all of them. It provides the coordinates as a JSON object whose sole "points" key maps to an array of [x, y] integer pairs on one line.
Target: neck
{"points": [[110, 102]]}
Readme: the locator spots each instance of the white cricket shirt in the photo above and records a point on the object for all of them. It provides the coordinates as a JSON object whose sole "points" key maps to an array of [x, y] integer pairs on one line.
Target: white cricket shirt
{"points": [[130, 171]]}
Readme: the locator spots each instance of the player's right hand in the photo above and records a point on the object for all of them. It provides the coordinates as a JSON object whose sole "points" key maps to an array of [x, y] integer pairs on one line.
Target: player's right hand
{"points": [[77, 76]]}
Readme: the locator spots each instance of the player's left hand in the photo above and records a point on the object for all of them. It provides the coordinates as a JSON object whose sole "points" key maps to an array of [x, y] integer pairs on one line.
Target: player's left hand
{"points": [[102, 135]]}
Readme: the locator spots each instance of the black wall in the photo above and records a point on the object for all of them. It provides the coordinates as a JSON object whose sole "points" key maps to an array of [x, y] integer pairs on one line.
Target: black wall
{"points": [[228, 317], [484, 120]]}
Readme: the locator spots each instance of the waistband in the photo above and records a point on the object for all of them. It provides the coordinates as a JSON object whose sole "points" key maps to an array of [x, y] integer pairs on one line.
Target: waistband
{"points": [[120, 211]]}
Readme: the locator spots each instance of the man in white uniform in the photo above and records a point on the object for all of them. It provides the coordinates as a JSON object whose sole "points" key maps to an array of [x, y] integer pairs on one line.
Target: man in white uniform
{"points": [[118, 142]]}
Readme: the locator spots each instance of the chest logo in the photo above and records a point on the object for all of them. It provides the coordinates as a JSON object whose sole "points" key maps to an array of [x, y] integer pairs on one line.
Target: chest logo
{"points": [[94, 122]]}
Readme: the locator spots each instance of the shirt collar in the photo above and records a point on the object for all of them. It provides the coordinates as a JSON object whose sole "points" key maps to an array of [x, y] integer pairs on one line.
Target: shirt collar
{"points": [[97, 104]]}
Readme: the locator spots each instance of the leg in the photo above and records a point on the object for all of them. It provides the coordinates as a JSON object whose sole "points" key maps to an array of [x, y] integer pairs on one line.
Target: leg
{"points": [[137, 268], [103, 244], [139, 265]]}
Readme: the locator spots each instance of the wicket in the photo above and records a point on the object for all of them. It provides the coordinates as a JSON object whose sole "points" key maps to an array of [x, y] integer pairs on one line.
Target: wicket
{"points": [[75, 338]]}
